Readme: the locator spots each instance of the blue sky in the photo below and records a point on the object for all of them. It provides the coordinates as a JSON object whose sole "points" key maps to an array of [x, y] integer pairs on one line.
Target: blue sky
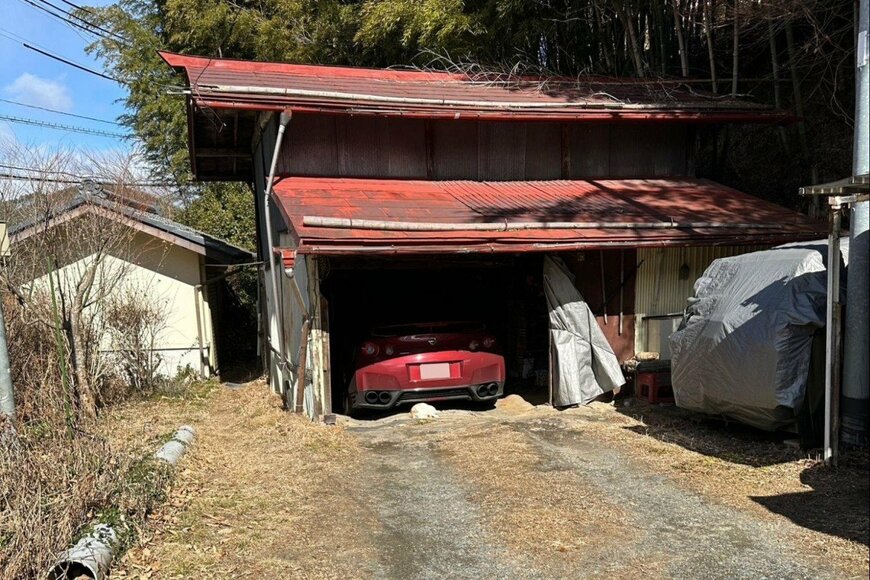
{"points": [[29, 77]]}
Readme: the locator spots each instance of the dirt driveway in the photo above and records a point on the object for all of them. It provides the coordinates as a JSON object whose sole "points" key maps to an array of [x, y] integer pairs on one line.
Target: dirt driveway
{"points": [[518, 492]]}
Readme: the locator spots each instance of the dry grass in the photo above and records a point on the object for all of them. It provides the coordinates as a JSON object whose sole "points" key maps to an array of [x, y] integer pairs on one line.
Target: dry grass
{"points": [[267, 494], [53, 487], [750, 471], [263, 493], [60, 474]]}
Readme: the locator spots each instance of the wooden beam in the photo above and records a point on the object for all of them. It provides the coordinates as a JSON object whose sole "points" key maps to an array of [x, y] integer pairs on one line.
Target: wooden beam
{"points": [[221, 152]]}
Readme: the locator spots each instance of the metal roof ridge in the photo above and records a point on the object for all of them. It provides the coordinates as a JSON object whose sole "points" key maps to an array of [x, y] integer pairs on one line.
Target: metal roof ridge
{"points": [[159, 221]]}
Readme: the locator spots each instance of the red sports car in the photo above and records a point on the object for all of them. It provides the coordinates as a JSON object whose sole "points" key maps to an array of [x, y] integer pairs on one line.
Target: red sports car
{"points": [[437, 361]]}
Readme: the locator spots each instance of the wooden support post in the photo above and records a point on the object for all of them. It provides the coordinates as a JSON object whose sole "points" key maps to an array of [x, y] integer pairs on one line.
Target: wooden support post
{"points": [[832, 342]]}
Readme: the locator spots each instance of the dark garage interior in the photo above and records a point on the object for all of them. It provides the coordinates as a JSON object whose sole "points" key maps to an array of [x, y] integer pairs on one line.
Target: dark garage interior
{"points": [[503, 292]]}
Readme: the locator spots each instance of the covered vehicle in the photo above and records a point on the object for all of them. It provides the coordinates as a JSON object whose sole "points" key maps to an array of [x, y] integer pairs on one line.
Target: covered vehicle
{"points": [[426, 362], [745, 346]]}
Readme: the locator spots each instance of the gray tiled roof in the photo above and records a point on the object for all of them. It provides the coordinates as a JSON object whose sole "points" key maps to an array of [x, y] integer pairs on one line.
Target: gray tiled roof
{"points": [[206, 241]]}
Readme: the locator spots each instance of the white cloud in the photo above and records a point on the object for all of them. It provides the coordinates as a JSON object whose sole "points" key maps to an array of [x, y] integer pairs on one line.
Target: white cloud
{"points": [[35, 90], [7, 136]]}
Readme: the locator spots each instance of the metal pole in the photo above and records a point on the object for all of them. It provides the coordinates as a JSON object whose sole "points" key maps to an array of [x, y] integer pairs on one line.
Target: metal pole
{"points": [[603, 285], [7, 395], [270, 258], [856, 389]]}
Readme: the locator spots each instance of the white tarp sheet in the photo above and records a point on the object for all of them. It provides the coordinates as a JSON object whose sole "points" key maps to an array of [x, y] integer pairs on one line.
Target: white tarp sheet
{"points": [[584, 364], [743, 349]]}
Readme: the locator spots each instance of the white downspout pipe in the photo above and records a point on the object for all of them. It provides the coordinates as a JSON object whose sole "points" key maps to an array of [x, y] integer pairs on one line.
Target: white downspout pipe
{"points": [[283, 120]]}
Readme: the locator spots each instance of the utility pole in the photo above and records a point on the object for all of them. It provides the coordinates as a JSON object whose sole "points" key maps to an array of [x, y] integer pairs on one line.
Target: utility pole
{"points": [[856, 363], [7, 396]]}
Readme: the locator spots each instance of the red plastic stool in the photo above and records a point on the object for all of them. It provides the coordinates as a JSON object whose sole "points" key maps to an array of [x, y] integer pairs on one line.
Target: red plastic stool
{"points": [[654, 387]]}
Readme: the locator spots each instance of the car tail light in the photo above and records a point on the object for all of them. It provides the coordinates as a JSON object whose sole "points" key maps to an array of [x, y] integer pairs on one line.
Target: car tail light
{"points": [[473, 345], [370, 349], [488, 342]]}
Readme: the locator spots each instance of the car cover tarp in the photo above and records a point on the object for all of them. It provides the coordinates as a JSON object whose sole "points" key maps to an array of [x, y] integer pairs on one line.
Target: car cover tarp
{"points": [[584, 364], [743, 348]]}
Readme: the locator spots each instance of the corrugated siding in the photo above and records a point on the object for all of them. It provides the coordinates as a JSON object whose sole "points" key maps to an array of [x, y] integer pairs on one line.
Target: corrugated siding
{"points": [[660, 290]]}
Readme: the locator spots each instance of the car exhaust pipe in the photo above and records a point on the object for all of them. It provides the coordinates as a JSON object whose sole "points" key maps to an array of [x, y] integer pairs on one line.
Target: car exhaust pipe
{"points": [[384, 397], [493, 388], [482, 390], [371, 397]]}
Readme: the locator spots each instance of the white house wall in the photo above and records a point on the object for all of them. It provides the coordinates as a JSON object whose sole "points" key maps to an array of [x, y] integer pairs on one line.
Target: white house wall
{"points": [[167, 275]]}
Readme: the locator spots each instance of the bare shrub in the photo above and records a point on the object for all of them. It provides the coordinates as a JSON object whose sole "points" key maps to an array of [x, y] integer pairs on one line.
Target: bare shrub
{"points": [[56, 478], [72, 251], [135, 323], [34, 368]]}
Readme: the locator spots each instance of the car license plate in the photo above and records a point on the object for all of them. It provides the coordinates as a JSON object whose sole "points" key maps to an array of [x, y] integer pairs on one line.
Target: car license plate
{"points": [[435, 371]]}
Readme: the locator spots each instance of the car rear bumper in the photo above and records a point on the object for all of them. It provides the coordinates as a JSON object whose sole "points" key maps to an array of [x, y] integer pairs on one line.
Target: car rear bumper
{"points": [[472, 376], [428, 395]]}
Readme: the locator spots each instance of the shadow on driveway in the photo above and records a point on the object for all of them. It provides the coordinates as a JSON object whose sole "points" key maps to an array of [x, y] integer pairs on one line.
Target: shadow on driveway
{"points": [[838, 504], [726, 440]]}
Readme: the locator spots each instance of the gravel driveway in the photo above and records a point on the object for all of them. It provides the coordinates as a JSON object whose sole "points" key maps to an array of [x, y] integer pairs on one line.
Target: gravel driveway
{"points": [[433, 525], [517, 492]]}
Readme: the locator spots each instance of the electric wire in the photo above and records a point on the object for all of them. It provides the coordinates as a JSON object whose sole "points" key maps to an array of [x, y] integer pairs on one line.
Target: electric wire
{"points": [[72, 181], [30, 45], [34, 169], [67, 18], [71, 63], [105, 31], [74, 25], [57, 112], [61, 127]]}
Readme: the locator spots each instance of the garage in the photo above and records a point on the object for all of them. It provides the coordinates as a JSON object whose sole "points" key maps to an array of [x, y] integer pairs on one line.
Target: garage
{"points": [[500, 295], [363, 272], [397, 197]]}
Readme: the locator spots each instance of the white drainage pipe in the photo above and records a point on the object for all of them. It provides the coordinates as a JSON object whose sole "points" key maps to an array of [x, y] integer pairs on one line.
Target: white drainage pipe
{"points": [[92, 555], [173, 449]]}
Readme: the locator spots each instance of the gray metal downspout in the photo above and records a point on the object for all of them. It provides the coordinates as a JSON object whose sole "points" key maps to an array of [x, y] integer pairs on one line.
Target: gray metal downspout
{"points": [[283, 120], [856, 389]]}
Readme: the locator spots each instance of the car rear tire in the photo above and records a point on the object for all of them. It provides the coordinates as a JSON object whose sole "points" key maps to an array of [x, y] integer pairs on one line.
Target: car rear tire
{"points": [[487, 405], [348, 409]]}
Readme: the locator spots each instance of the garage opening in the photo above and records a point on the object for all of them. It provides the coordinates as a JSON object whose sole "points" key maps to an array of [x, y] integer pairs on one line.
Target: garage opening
{"points": [[504, 293]]}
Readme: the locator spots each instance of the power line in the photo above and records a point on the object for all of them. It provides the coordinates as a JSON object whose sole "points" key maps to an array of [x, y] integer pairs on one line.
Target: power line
{"points": [[77, 7], [42, 50], [59, 112], [71, 181], [66, 18], [70, 63], [60, 127], [73, 177], [45, 51], [62, 19], [19, 168], [79, 18]]}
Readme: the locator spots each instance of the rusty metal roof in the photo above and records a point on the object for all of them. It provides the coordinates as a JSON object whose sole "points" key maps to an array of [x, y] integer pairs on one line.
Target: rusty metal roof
{"points": [[528, 215], [225, 97], [247, 85]]}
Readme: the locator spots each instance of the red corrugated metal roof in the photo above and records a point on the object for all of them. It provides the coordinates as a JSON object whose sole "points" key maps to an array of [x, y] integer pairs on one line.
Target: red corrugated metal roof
{"points": [[224, 83], [740, 218]]}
